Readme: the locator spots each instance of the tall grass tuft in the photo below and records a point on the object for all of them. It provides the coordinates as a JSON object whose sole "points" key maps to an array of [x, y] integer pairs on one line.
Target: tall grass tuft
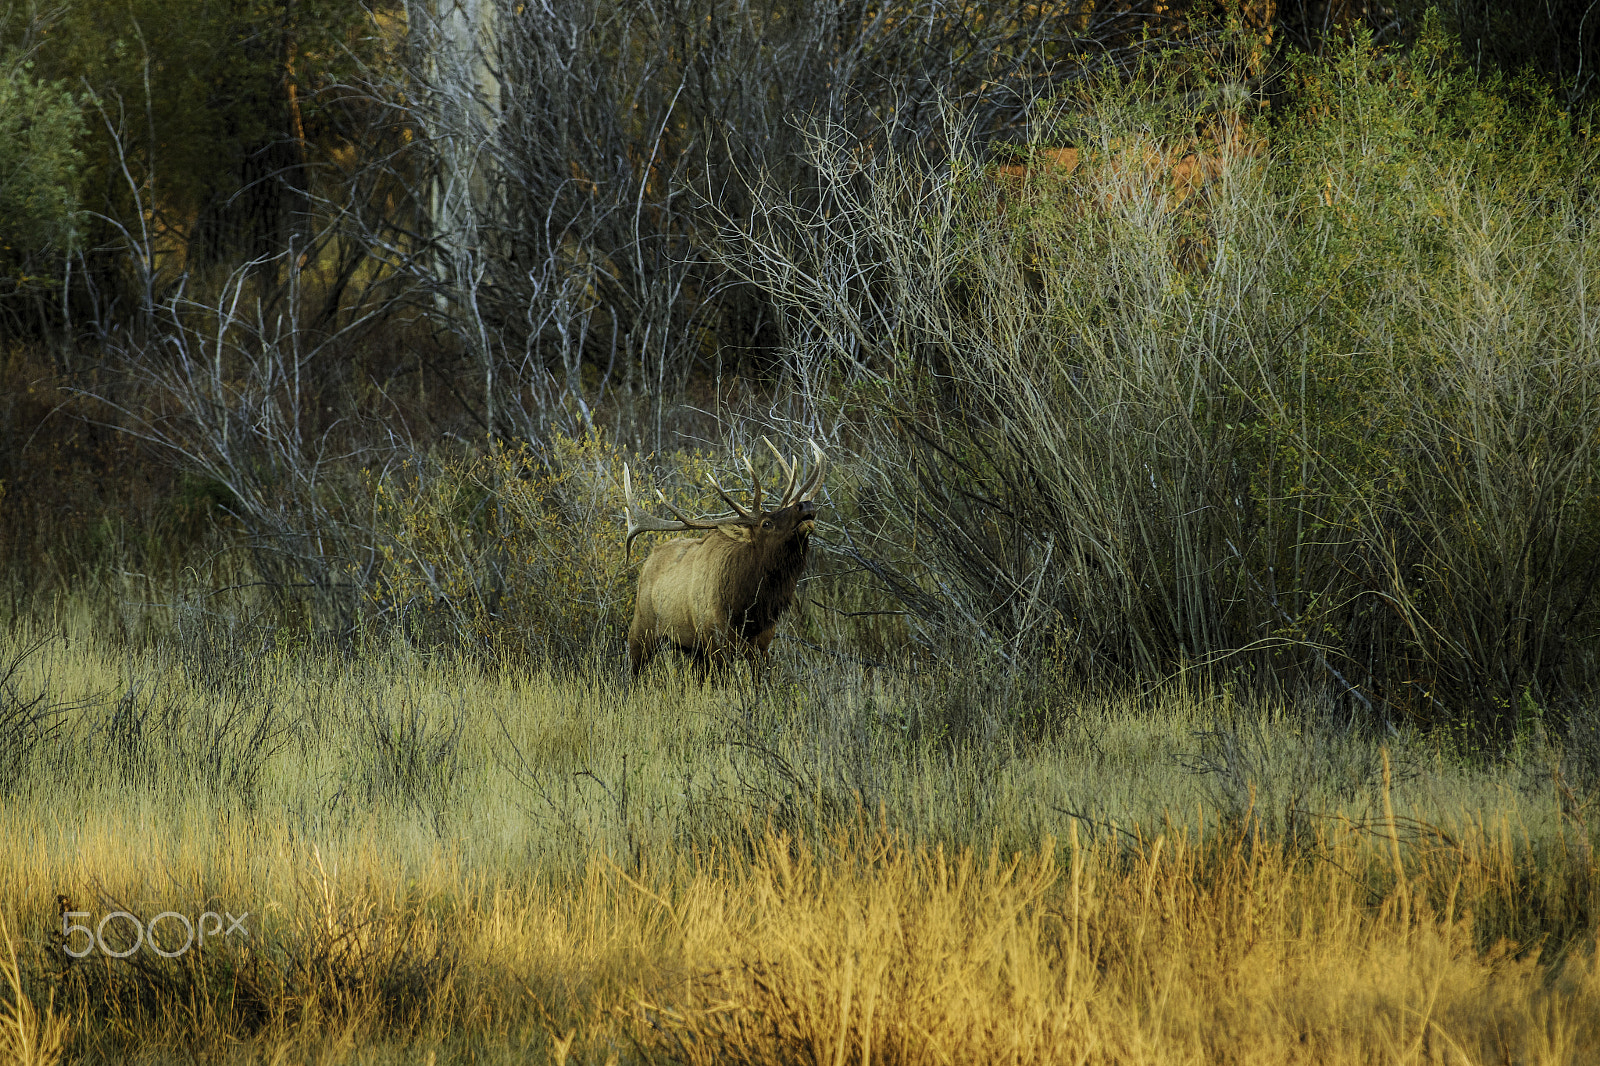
{"points": [[28, 1036]]}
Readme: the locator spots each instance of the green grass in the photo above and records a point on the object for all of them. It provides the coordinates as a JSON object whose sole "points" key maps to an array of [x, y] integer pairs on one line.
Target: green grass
{"points": [[553, 767]]}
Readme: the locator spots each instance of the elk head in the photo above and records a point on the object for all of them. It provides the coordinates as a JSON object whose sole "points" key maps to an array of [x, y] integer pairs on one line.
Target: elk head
{"points": [[719, 596]]}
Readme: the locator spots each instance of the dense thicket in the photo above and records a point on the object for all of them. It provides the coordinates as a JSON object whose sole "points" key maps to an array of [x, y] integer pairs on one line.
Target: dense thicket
{"points": [[1329, 414]]}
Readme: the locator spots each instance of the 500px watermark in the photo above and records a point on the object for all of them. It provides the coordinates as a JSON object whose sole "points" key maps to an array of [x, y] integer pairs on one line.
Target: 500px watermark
{"points": [[195, 932]]}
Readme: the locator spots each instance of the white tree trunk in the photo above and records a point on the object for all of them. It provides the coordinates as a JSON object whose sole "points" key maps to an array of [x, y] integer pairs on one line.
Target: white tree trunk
{"points": [[453, 42]]}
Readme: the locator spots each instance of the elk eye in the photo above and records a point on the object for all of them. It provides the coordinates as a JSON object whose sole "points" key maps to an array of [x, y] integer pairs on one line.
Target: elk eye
{"points": [[766, 523]]}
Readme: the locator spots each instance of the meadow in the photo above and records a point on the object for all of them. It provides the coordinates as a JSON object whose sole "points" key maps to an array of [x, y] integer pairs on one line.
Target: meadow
{"points": [[440, 862], [1197, 660]]}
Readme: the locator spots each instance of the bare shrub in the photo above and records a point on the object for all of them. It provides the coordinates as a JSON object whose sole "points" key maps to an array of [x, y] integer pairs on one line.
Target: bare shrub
{"points": [[225, 388], [575, 155]]}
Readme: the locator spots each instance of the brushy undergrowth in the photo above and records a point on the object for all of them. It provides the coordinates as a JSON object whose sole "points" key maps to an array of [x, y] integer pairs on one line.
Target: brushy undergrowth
{"points": [[1296, 389], [1307, 392]]}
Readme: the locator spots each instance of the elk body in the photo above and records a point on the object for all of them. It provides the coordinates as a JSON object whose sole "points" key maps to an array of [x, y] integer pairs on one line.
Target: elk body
{"points": [[719, 596]]}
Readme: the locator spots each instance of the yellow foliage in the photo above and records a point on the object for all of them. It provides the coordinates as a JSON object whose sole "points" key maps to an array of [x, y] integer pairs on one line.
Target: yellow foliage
{"points": [[606, 871], [515, 549]]}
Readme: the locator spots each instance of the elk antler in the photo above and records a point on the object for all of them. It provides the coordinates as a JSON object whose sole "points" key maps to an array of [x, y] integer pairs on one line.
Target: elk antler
{"points": [[813, 483], [752, 517], [783, 499], [646, 523]]}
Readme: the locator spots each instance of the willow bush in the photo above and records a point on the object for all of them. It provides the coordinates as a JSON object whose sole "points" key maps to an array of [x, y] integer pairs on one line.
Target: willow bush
{"points": [[515, 547], [1284, 389]]}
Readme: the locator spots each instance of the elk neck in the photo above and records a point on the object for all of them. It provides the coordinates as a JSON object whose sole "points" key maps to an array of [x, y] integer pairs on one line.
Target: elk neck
{"points": [[761, 579]]}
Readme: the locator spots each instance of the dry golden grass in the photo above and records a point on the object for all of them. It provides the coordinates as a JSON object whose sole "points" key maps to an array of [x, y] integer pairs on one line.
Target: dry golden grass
{"points": [[444, 866], [855, 948], [28, 1036]]}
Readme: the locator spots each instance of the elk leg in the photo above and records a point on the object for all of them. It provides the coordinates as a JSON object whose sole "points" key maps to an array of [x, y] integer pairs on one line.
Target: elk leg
{"points": [[640, 652], [760, 657], [704, 664]]}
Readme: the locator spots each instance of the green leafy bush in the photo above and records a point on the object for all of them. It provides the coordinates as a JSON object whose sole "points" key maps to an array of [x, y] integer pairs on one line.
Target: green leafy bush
{"points": [[40, 128]]}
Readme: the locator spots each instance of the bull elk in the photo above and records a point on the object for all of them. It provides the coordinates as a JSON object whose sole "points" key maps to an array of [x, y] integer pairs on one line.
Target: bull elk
{"points": [[719, 596]]}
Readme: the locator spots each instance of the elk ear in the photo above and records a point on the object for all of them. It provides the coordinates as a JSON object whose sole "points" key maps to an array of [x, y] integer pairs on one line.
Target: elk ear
{"points": [[736, 531]]}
